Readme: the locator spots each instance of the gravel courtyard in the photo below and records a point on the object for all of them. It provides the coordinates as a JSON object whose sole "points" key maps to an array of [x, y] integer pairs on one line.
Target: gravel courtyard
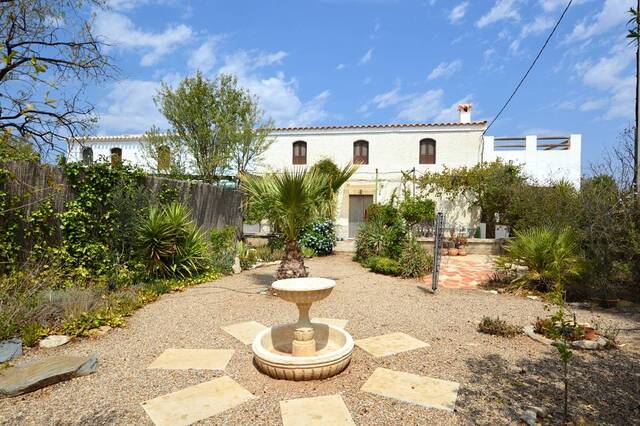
{"points": [[499, 378]]}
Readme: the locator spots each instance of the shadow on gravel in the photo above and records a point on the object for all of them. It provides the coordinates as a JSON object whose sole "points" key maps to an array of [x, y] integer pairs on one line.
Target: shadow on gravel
{"points": [[262, 279], [604, 388]]}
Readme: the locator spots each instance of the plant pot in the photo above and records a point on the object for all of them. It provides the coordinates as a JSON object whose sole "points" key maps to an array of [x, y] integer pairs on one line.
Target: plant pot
{"points": [[606, 303], [590, 333], [444, 251], [462, 251], [453, 252]]}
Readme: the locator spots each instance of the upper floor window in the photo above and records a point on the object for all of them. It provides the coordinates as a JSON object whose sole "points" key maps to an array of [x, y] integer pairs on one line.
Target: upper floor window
{"points": [[87, 155], [361, 152], [116, 156], [427, 151], [300, 152], [164, 158]]}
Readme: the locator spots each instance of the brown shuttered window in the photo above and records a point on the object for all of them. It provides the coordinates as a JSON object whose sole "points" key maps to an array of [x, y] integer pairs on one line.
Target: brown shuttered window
{"points": [[427, 151], [300, 152], [361, 152]]}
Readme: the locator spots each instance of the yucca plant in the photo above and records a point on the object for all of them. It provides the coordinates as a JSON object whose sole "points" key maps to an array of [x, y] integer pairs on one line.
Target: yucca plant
{"points": [[544, 257], [171, 244], [293, 199]]}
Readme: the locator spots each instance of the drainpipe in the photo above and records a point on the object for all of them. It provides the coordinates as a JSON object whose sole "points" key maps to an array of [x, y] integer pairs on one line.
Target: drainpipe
{"points": [[375, 198]]}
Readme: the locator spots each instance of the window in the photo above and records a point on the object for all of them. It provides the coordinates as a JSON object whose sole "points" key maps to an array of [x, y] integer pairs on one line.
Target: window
{"points": [[300, 152], [87, 155], [427, 151], [361, 152], [116, 156], [164, 158]]}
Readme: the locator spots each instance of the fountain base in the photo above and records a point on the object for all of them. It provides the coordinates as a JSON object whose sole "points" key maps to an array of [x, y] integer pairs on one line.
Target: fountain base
{"points": [[275, 352]]}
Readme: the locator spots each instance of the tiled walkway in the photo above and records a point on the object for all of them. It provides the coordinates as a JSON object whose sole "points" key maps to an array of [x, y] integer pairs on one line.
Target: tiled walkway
{"points": [[464, 271]]}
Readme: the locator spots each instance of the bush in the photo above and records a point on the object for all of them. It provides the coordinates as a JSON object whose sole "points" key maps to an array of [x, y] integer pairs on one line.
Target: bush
{"points": [[498, 327], [417, 209], [547, 255], [247, 255], [414, 260], [320, 237], [383, 265], [382, 234], [266, 254], [171, 244], [223, 248], [31, 334]]}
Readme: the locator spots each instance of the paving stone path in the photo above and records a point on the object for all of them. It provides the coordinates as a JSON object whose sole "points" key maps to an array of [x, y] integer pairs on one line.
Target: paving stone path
{"points": [[204, 400], [464, 272]]}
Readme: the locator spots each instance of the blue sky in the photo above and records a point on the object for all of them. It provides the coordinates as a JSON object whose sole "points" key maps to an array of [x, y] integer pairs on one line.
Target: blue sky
{"points": [[381, 61]]}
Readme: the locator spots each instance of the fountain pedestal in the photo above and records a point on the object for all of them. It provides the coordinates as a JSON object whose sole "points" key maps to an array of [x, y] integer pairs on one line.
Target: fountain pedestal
{"points": [[302, 351]]}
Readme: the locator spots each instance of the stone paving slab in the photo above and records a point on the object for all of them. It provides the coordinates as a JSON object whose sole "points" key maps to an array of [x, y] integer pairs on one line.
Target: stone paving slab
{"points": [[244, 331], [421, 390], [197, 402], [390, 344], [340, 323], [196, 359], [317, 411]]}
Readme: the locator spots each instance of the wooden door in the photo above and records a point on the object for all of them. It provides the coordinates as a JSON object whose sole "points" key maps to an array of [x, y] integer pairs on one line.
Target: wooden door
{"points": [[358, 205]]}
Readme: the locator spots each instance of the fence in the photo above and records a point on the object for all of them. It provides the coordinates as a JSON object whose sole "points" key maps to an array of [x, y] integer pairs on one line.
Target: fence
{"points": [[212, 206]]}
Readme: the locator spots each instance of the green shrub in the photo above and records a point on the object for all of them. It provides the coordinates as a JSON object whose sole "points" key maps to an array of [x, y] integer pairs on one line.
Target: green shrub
{"points": [[31, 334], [247, 255], [308, 253], [320, 236], [498, 327], [266, 254], [547, 255], [82, 324], [171, 244], [417, 209], [223, 248], [382, 234], [276, 242], [414, 260], [383, 265]]}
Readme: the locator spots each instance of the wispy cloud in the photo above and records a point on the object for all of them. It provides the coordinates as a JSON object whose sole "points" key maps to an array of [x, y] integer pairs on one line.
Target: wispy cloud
{"points": [[613, 14], [445, 69], [458, 12], [366, 58], [204, 57], [501, 10]]}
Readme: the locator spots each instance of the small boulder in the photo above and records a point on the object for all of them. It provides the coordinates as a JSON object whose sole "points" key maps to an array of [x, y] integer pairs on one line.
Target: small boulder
{"points": [[541, 412], [236, 268], [10, 349], [100, 331], [54, 341], [27, 378], [529, 417]]}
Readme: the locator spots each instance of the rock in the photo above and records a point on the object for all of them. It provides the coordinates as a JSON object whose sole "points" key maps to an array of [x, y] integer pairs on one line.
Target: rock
{"points": [[599, 343], [35, 375], [54, 341], [100, 331], [541, 412], [236, 268], [529, 417], [533, 297], [529, 331], [10, 349]]}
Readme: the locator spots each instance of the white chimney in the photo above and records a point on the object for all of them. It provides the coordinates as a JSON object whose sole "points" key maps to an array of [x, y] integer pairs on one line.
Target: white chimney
{"points": [[465, 112]]}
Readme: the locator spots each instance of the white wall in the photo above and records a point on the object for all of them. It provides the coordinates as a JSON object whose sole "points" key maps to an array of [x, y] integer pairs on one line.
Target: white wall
{"points": [[541, 165]]}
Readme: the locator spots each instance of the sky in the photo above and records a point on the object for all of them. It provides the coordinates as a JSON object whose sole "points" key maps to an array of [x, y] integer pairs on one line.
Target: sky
{"points": [[381, 61]]}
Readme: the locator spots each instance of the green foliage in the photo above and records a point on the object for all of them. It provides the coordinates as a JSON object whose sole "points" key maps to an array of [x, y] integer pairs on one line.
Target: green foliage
{"points": [[170, 243], [247, 255], [417, 209], [549, 257], [87, 321], [31, 334], [383, 265], [222, 244], [382, 234], [319, 236], [267, 254], [498, 327], [414, 260]]}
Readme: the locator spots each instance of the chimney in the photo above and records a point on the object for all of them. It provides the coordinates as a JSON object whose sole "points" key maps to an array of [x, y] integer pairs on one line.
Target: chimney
{"points": [[465, 112]]}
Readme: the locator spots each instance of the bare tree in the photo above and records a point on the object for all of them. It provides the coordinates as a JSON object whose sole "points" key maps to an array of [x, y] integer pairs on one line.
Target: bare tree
{"points": [[619, 161], [49, 55]]}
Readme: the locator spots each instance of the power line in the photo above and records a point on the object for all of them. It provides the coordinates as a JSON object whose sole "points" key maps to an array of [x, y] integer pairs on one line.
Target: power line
{"points": [[555, 27]]}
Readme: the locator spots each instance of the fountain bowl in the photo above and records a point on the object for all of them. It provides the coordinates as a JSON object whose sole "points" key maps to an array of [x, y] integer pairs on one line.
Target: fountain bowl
{"points": [[303, 290], [272, 353]]}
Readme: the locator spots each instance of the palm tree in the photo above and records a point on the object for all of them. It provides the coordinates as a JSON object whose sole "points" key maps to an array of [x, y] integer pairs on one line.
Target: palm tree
{"points": [[292, 200]]}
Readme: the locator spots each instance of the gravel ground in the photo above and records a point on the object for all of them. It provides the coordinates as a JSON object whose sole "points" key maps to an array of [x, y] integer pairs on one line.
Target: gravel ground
{"points": [[498, 377]]}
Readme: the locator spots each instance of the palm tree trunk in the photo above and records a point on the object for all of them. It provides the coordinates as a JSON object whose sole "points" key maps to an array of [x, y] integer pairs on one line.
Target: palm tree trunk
{"points": [[292, 265]]}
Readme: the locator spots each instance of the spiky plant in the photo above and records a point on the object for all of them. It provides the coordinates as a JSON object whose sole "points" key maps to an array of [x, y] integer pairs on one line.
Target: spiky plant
{"points": [[548, 256], [292, 200]]}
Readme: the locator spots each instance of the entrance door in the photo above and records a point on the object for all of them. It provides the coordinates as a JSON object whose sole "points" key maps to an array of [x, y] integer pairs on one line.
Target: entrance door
{"points": [[358, 205]]}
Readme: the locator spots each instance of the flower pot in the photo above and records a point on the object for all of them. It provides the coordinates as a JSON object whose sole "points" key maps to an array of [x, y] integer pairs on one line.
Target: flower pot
{"points": [[444, 251], [590, 333], [453, 252], [462, 251]]}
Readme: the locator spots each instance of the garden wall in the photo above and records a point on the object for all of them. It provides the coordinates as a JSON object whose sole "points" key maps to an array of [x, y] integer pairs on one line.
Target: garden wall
{"points": [[212, 206]]}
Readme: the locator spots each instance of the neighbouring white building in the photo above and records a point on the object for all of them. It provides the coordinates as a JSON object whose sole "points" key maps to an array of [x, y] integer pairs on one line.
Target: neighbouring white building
{"points": [[385, 153]]}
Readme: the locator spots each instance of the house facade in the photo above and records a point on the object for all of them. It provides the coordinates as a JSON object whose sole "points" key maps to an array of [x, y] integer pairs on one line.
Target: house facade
{"points": [[386, 155]]}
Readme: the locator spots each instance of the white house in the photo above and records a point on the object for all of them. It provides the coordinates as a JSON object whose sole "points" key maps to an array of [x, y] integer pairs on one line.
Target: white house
{"points": [[385, 153]]}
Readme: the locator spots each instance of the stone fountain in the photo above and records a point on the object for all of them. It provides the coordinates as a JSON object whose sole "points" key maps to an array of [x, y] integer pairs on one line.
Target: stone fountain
{"points": [[304, 350]]}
